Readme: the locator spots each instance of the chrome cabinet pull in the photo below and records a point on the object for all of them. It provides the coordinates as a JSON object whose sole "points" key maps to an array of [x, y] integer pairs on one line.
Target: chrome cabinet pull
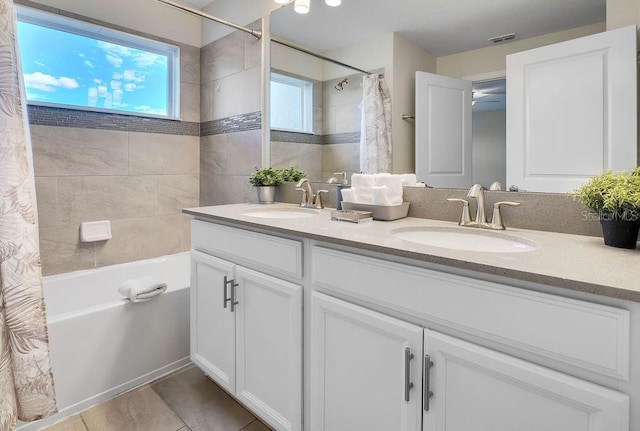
{"points": [[426, 396], [232, 298], [408, 356]]}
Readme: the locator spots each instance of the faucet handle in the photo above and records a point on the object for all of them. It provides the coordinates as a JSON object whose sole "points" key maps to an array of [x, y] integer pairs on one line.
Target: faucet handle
{"points": [[496, 218], [319, 204], [303, 202], [465, 218]]}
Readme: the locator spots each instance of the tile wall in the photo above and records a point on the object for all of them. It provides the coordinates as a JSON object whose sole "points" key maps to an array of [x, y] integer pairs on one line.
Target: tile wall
{"points": [[137, 174], [231, 141]]}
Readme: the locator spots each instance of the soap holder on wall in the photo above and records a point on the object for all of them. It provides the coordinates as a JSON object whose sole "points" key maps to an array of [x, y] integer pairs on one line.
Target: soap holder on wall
{"points": [[93, 231], [380, 212]]}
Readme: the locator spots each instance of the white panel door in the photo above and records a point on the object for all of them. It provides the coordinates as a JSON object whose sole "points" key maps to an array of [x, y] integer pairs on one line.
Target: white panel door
{"points": [[571, 111], [443, 131], [360, 371], [213, 326], [478, 389], [269, 348]]}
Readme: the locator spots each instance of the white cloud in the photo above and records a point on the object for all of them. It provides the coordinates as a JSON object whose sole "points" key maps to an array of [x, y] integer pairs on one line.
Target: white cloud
{"points": [[89, 64], [102, 91], [130, 86], [115, 60], [92, 96], [48, 83], [116, 54]]}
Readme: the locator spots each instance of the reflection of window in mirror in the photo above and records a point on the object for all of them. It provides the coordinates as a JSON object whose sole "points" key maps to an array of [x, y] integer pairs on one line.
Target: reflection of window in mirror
{"points": [[291, 104]]}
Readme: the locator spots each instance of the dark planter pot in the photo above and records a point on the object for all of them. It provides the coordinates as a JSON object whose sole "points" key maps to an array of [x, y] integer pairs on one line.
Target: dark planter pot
{"points": [[620, 233]]}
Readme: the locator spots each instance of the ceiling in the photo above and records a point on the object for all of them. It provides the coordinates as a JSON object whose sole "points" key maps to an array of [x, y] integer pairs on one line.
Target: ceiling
{"points": [[197, 3], [441, 27]]}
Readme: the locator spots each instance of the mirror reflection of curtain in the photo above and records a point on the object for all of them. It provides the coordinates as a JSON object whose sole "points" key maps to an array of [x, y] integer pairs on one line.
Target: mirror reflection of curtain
{"points": [[375, 137], [26, 382]]}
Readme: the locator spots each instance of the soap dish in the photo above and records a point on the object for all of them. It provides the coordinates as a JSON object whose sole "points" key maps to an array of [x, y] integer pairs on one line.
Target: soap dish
{"points": [[380, 212]]}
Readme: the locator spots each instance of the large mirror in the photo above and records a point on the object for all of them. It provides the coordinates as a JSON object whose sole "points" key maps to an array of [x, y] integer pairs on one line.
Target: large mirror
{"points": [[316, 105]]}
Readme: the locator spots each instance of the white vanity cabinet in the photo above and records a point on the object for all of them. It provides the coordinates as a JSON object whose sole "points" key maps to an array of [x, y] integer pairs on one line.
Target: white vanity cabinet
{"points": [[358, 368], [246, 326]]}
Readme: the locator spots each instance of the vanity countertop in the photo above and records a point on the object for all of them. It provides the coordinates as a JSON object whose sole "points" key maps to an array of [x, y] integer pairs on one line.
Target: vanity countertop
{"points": [[575, 262]]}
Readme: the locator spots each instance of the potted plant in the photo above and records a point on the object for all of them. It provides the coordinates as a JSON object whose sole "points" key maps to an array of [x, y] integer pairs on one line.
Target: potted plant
{"points": [[265, 180], [292, 174], [614, 197]]}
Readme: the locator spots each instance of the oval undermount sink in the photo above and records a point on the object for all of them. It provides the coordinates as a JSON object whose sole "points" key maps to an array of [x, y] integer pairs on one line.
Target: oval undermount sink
{"points": [[466, 239], [282, 213]]}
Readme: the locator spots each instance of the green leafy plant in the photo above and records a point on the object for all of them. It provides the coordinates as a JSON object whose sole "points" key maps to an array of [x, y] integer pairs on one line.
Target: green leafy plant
{"points": [[266, 177], [292, 174], [612, 195]]}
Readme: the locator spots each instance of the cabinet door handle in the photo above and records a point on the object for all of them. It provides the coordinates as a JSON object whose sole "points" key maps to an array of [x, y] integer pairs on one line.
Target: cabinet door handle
{"points": [[408, 356], [231, 298], [426, 396]]}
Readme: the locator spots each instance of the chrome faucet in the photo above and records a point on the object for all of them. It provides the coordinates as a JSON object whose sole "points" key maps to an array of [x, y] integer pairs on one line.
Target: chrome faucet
{"points": [[477, 191], [307, 195]]}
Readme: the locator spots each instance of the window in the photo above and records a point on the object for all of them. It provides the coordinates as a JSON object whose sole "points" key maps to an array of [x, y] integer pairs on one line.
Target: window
{"points": [[291, 104], [78, 65]]}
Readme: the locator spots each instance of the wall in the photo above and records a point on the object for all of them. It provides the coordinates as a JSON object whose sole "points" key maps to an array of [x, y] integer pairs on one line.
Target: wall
{"points": [[167, 22], [489, 160], [138, 173], [407, 59], [240, 12], [231, 103], [493, 58]]}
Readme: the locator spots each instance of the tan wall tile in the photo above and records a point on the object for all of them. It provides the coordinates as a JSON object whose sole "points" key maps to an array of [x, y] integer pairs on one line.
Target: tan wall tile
{"points": [[190, 102], [47, 199], [72, 151], [206, 102], [213, 155], [152, 153], [106, 198], [223, 57], [252, 49], [222, 190], [348, 118], [61, 250], [142, 238], [237, 94], [189, 64], [336, 157], [244, 152], [176, 192]]}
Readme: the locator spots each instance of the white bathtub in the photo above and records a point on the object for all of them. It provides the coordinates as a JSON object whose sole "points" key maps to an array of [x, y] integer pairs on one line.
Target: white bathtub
{"points": [[101, 344]]}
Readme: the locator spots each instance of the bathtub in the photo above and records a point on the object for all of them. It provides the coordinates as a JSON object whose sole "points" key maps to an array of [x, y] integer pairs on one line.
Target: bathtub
{"points": [[103, 345]]}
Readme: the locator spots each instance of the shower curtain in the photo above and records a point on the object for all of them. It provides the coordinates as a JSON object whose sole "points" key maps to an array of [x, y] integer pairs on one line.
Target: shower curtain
{"points": [[375, 136], [26, 383]]}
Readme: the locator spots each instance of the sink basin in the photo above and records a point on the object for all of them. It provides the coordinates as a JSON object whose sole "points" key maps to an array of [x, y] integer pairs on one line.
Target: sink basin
{"points": [[466, 239], [282, 213]]}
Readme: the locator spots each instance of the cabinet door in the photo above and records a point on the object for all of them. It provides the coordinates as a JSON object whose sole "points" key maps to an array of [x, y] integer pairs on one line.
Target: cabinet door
{"points": [[571, 111], [478, 389], [212, 326], [269, 348], [360, 373]]}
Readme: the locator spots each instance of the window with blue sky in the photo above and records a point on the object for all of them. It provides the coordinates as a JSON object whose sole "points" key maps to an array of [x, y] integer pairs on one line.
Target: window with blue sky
{"points": [[74, 64]]}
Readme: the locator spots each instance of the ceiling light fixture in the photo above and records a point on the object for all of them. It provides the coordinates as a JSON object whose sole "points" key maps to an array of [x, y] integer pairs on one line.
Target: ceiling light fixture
{"points": [[333, 3], [282, 1], [302, 6]]}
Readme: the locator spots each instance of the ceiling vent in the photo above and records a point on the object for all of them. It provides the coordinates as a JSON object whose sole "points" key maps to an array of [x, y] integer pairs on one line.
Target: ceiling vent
{"points": [[503, 38]]}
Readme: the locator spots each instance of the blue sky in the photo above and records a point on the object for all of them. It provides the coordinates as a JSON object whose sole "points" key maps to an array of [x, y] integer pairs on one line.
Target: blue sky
{"points": [[65, 68]]}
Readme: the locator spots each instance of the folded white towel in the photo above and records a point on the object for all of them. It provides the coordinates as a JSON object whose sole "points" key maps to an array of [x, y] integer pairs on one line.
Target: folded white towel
{"points": [[362, 181], [364, 196], [142, 289], [394, 184], [381, 196], [348, 195], [408, 179]]}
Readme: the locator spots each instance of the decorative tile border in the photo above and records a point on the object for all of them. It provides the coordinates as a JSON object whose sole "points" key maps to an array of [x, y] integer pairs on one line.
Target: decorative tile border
{"points": [[236, 123], [342, 138], [300, 138], [63, 117]]}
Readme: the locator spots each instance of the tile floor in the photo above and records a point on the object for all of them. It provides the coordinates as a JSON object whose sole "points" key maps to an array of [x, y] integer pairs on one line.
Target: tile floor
{"points": [[183, 401]]}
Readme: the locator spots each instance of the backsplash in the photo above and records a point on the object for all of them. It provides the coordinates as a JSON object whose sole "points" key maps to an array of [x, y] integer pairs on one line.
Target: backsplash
{"points": [[551, 212]]}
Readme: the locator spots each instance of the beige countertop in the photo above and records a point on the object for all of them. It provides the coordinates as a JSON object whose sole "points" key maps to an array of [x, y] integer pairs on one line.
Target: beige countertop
{"points": [[575, 262]]}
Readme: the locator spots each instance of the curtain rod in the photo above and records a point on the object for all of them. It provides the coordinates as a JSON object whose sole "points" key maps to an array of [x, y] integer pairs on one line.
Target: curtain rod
{"points": [[255, 33], [314, 54]]}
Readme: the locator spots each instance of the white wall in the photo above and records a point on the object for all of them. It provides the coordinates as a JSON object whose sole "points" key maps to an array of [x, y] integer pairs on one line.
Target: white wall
{"points": [[299, 63], [241, 12], [146, 16], [493, 58], [372, 55], [489, 161]]}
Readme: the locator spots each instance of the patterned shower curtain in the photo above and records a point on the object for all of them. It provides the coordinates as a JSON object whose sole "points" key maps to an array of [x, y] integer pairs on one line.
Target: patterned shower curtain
{"points": [[375, 136], [26, 383]]}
